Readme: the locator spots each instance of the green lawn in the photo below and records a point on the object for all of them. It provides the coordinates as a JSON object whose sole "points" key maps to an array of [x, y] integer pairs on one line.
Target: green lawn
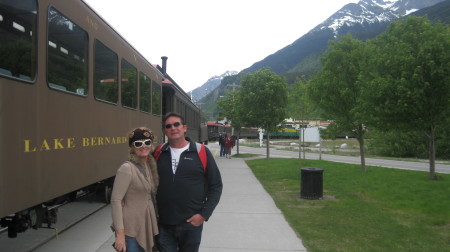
{"points": [[380, 210]]}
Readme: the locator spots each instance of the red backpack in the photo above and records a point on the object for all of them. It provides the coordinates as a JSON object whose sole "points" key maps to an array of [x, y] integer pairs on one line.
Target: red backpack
{"points": [[201, 151]]}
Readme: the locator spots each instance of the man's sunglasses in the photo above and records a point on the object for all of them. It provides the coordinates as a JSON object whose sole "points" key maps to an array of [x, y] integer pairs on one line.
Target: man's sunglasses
{"points": [[168, 126], [139, 144]]}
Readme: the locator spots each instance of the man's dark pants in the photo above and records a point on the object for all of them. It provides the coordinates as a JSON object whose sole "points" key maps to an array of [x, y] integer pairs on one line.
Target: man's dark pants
{"points": [[222, 150], [183, 238]]}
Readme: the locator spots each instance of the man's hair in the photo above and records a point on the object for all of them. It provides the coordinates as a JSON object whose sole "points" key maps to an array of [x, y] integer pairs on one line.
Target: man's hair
{"points": [[173, 114]]}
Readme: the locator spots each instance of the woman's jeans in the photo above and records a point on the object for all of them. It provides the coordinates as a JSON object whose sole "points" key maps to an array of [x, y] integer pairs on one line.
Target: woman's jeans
{"points": [[132, 244], [183, 238]]}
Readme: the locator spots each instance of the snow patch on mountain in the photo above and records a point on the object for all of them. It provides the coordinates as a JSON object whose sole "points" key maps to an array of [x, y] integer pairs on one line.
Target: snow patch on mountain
{"points": [[209, 85], [411, 11], [372, 11]]}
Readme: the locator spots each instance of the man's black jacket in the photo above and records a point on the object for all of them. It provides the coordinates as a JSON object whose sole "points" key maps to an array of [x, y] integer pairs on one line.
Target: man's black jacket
{"points": [[190, 190]]}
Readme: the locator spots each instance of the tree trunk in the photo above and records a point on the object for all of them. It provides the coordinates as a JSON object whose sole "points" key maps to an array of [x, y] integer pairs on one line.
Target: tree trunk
{"points": [[361, 153], [267, 144], [237, 144], [299, 143], [303, 142], [432, 152], [360, 137]]}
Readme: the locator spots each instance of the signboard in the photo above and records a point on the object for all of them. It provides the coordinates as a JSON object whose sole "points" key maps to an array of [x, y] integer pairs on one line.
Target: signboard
{"points": [[311, 135]]}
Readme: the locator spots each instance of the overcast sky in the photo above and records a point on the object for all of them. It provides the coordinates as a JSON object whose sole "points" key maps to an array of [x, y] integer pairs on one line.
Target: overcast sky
{"points": [[203, 38]]}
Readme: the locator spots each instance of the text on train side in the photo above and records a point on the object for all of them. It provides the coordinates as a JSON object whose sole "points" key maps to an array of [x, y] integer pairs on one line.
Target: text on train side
{"points": [[70, 143]]}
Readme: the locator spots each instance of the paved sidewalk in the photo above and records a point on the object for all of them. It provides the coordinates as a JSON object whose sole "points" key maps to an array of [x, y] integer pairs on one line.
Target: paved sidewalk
{"points": [[246, 218]]}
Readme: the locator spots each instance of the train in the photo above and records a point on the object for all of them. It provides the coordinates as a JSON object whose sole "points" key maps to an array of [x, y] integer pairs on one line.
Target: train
{"points": [[71, 88], [285, 131], [216, 128], [249, 133]]}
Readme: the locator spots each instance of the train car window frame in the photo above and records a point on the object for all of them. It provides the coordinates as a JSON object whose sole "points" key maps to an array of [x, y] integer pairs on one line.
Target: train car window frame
{"points": [[129, 85], [145, 93], [67, 54], [18, 44], [106, 73], [156, 99]]}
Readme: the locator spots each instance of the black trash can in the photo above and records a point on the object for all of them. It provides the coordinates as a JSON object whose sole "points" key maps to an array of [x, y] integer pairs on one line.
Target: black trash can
{"points": [[311, 183]]}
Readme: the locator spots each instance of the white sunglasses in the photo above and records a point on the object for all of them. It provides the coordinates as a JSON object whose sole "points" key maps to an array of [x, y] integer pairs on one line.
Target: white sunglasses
{"points": [[139, 144]]}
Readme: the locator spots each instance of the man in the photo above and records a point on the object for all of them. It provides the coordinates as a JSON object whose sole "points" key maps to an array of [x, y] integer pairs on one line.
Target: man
{"points": [[187, 193], [222, 144]]}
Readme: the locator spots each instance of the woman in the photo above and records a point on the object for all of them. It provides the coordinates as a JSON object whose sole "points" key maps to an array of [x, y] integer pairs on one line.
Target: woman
{"points": [[133, 196], [229, 144]]}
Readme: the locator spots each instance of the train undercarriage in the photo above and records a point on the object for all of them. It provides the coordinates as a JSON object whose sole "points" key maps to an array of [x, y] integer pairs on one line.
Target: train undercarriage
{"points": [[44, 215]]}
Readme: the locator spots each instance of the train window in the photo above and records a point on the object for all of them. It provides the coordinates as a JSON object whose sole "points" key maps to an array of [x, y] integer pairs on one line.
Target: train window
{"points": [[67, 54], [106, 71], [145, 91], [18, 21], [129, 85], [156, 98]]}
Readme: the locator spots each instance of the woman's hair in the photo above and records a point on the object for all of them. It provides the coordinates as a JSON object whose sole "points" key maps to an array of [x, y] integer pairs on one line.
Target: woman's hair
{"points": [[150, 162], [141, 133]]}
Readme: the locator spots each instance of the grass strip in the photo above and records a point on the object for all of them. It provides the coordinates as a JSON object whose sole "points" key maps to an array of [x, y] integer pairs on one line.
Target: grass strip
{"points": [[383, 209]]}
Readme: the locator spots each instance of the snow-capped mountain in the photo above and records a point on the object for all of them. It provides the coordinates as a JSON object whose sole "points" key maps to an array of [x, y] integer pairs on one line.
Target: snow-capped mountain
{"points": [[209, 86], [363, 20], [372, 11]]}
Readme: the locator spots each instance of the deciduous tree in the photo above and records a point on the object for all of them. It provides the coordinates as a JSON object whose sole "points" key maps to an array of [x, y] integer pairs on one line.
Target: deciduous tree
{"points": [[299, 106], [337, 91], [263, 98], [409, 81], [230, 107]]}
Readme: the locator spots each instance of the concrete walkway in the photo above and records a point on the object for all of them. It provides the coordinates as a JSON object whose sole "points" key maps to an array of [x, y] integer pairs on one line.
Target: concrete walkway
{"points": [[246, 218]]}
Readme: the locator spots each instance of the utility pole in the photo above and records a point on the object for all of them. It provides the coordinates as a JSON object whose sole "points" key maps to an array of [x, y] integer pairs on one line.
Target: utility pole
{"points": [[199, 104], [233, 85]]}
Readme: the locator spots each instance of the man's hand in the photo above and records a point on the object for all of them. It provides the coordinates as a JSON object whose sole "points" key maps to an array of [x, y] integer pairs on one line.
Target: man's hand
{"points": [[196, 220]]}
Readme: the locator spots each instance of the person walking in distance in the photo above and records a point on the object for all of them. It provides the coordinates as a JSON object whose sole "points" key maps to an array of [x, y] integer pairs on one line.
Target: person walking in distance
{"points": [[222, 144], [133, 196], [229, 144], [188, 192]]}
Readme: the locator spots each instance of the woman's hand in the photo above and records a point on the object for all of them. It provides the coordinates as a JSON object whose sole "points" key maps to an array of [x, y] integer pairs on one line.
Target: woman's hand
{"points": [[119, 245]]}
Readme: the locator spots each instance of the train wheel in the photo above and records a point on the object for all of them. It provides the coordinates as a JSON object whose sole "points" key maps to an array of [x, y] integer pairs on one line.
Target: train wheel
{"points": [[37, 215]]}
